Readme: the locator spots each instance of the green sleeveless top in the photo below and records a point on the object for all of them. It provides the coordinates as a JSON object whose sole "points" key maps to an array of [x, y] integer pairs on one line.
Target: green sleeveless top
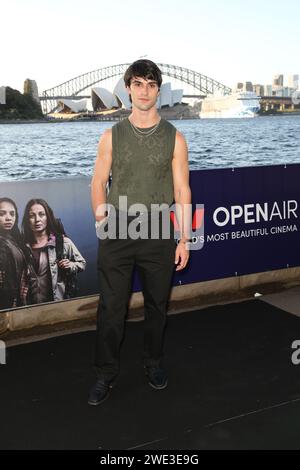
{"points": [[142, 165]]}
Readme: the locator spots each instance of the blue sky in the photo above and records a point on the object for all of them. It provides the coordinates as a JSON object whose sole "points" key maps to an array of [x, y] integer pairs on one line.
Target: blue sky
{"points": [[53, 41]]}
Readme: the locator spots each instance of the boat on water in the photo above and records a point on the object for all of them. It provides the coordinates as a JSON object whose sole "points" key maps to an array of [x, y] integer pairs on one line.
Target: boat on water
{"points": [[239, 104]]}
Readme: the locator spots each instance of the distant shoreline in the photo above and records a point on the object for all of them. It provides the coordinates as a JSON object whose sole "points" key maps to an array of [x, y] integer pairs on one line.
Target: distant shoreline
{"points": [[35, 121], [51, 121]]}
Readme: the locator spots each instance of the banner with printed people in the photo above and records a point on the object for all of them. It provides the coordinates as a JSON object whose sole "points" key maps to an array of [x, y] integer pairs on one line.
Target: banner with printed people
{"points": [[244, 220], [42, 226]]}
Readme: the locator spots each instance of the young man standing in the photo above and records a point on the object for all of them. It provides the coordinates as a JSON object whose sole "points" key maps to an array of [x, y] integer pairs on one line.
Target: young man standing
{"points": [[149, 162]]}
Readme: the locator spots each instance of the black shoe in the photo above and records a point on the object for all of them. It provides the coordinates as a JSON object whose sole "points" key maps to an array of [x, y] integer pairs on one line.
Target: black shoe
{"points": [[99, 392], [157, 376]]}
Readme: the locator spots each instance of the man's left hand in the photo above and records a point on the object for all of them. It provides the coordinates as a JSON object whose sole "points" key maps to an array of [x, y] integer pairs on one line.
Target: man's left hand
{"points": [[181, 256]]}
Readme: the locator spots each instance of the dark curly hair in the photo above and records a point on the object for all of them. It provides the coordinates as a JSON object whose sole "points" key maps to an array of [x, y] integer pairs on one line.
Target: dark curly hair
{"points": [[145, 69]]}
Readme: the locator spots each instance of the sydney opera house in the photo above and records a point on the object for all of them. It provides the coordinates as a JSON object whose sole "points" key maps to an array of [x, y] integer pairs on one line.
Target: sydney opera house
{"points": [[102, 99]]}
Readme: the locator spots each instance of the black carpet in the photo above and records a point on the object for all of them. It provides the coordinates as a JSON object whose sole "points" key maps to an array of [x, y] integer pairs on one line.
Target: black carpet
{"points": [[232, 385]]}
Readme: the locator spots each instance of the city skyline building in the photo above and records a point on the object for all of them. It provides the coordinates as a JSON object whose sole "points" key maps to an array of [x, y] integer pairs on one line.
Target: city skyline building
{"points": [[2, 95], [258, 89], [278, 81], [293, 81]]}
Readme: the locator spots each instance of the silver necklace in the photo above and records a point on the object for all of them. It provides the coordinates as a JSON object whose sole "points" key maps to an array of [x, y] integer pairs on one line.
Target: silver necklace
{"points": [[139, 132]]}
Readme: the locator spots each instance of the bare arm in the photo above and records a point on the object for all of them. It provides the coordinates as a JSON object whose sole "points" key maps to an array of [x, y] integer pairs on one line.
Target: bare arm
{"points": [[101, 174], [182, 191], [182, 196]]}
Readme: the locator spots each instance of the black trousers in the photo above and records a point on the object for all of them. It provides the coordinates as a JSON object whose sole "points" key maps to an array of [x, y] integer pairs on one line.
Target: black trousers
{"points": [[154, 260]]}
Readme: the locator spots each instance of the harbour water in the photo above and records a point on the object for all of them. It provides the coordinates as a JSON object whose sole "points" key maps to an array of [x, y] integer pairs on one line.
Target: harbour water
{"points": [[59, 150]]}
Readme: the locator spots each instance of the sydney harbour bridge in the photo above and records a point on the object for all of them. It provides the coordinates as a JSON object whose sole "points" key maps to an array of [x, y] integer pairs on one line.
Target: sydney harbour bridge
{"points": [[77, 87]]}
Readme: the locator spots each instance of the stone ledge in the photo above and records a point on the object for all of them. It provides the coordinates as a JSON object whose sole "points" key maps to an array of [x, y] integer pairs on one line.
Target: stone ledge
{"points": [[55, 319]]}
